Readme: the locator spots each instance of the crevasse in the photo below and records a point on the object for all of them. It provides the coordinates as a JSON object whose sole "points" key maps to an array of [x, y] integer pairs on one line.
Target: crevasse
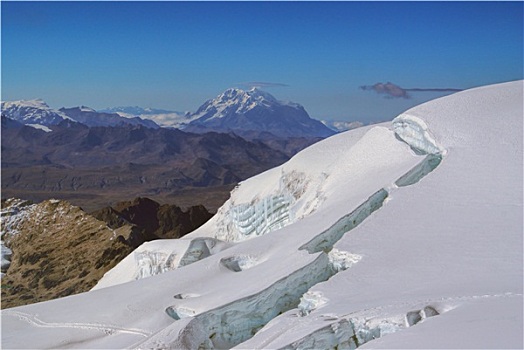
{"points": [[350, 332], [260, 216], [153, 263]]}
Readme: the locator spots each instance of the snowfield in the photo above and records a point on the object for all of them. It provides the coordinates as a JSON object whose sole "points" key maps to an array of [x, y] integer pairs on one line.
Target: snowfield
{"points": [[406, 234]]}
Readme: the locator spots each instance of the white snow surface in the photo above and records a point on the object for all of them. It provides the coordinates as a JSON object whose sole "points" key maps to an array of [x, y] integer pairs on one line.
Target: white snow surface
{"points": [[399, 235]]}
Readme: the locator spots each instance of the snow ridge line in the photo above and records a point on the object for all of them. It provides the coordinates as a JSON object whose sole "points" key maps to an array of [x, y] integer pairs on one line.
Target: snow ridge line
{"points": [[108, 329]]}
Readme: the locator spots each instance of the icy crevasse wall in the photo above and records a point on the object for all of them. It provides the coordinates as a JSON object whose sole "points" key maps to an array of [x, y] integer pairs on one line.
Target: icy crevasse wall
{"points": [[415, 132], [270, 213], [153, 263]]}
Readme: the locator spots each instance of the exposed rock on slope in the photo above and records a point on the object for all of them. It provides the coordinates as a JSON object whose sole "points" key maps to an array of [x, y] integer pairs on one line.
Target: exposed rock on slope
{"points": [[58, 250]]}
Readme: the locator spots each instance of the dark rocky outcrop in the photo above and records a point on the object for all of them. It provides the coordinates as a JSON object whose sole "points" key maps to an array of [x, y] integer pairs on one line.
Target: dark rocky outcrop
{"points": [[152, 220]]}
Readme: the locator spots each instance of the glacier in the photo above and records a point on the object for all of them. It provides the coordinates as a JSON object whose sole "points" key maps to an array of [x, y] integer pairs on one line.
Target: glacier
{"points": [[406, 234]]}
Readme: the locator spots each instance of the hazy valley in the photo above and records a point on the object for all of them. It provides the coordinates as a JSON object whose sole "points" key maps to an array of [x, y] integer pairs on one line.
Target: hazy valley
{"points": [[93, 159]]}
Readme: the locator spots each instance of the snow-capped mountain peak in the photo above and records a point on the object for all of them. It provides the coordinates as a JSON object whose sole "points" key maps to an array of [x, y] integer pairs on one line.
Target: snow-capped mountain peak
{"points": [[237, 101], [34, 111], [256, 110]]}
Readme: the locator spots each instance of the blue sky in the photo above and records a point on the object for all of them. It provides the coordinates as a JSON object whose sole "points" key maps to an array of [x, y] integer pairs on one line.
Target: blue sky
{"points": [[176, 55]]}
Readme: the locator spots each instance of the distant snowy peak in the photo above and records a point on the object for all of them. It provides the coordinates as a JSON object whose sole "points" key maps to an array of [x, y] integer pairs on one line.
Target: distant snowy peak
{"points": [[239, 101], [135, 110], [243, 111], [32, 112]]}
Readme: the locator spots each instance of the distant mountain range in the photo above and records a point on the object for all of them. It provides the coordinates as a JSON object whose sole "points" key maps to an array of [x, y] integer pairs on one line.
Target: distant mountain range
{"points": [[37, 114], [244, 112], [90, 117]]}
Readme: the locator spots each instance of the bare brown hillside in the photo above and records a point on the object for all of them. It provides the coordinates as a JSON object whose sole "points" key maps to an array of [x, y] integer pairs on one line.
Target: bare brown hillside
{"points": [[59, 250]]}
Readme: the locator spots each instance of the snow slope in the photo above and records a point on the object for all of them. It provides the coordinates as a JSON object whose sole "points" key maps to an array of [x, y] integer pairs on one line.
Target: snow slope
{"points": [[405, 234]]}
